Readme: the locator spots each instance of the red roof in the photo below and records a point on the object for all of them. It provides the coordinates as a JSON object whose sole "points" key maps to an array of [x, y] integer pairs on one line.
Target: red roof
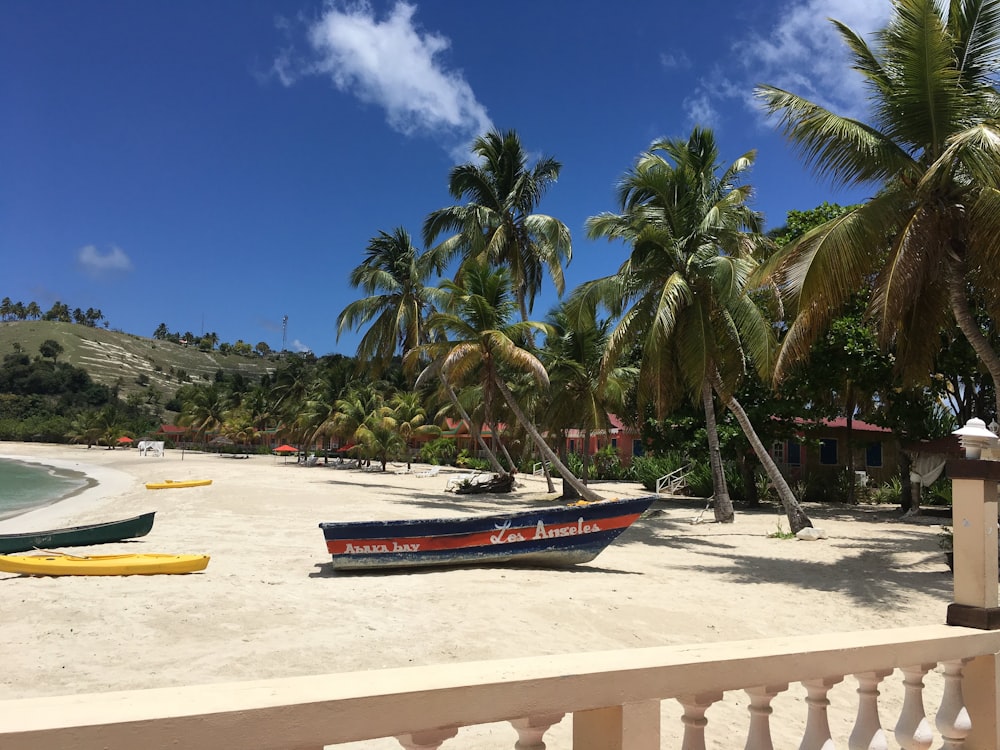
{"points": [[171, 429], [459, 427], [857, 425]]}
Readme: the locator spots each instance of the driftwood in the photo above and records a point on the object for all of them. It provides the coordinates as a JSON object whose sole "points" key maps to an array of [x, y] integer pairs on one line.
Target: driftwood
{"points": [[494, 483]]}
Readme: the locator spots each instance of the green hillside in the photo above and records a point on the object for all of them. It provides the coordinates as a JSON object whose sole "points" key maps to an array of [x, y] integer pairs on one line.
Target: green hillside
{"points": [[114, 358]]}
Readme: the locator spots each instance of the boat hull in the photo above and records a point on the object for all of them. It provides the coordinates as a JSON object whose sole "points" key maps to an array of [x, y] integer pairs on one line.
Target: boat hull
{"points": [[78, 536], [170, 484], [102, 565], [551, 537]]}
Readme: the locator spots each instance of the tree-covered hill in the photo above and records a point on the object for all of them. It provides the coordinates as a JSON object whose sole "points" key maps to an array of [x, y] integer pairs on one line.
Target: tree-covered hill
{"points": [[127, 363]]}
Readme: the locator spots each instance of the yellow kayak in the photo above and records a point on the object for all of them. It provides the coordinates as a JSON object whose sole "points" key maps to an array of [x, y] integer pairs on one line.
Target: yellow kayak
{"points": [[59, 564], [170, 484]]}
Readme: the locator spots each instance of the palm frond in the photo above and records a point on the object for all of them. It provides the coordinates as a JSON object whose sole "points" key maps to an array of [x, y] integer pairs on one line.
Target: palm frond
{"points": [[839, 148]]}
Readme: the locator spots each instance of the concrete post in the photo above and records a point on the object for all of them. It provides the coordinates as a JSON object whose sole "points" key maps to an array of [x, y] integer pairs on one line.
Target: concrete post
{"points": [[634, 726], [974, 525]]}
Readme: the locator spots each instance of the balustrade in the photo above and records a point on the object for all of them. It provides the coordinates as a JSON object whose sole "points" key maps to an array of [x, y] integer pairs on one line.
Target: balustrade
{"points": [[616, 700]]}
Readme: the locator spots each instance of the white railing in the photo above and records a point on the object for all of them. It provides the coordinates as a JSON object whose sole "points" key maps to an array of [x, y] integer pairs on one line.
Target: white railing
{"points": [[539, 468], [673, 481], [614, 699]]}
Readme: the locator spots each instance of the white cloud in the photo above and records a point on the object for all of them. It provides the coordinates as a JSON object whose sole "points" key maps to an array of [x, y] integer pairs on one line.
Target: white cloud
{"points": [[805, 54], [700, 110], [96, 263], [673, 60], [300, 347], [393, 64], [801, 52]]}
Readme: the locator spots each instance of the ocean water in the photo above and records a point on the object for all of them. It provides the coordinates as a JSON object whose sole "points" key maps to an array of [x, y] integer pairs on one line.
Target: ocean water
{"points": [[25, 486]]}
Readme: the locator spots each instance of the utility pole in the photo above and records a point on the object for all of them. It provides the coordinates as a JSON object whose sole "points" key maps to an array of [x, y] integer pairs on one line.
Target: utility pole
{"points": [[284, 333]]}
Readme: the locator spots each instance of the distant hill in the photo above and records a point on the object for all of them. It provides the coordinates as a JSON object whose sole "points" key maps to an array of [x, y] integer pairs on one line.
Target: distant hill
{"points": [[111, 357]]}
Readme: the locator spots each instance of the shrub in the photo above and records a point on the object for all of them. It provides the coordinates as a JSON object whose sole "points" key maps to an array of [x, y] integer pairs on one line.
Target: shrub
{"points": [[889, 493], [938, 493], [465, 460], [574, 462], [440, 452], [647, 469], [826, 487], [699, 479], [608, 465], [734, 481]]}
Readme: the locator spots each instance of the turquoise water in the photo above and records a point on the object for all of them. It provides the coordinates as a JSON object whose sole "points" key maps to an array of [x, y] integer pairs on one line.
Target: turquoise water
{"points": [[24, 486]]}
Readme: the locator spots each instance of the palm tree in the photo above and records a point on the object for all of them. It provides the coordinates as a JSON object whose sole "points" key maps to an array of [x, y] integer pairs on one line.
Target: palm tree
{"points": [[86, 427], [460, 410], [205, 411], [317, 411], [410, 418], [394, 267], [933, 154], [362, 403], [380, 436], [582, 393], [681, 296], [478, 340], [394, 275], [498, 225]]}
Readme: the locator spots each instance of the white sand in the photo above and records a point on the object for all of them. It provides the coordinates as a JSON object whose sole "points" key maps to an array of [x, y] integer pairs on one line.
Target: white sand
{"points": [[268, 605]]}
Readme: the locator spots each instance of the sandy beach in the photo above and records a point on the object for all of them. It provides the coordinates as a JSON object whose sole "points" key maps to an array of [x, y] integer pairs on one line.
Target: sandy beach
{"points": [[269, 606]]}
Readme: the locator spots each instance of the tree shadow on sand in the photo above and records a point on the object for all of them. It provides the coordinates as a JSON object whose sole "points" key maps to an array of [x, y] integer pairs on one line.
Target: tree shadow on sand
{"points": [[868, 569]]}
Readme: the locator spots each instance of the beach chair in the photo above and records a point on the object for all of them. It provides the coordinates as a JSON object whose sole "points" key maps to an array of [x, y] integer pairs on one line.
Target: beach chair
{"points": [[431, 472]]}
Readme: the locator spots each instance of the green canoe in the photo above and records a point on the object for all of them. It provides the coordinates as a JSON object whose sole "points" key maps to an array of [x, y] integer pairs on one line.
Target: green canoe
{"points": [[78, 536]]}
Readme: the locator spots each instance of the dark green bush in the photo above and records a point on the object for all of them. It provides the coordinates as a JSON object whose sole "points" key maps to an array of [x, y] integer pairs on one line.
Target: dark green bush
{"points": [[441, 452], [608, 465], [938, 493], [647, 469], [826, 486], [699, 479]]}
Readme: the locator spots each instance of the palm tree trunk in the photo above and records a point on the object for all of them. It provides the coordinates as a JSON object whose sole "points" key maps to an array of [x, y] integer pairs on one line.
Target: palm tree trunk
{"points": [[797, 518], [548, 476], [585, 492], [724, 512], [970, 328], [453, 397], [503, 447], [851, 481]]}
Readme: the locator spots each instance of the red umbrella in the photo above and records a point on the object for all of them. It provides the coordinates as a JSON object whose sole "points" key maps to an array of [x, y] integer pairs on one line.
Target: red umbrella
{"points": [[285, 450], [124, 439]]}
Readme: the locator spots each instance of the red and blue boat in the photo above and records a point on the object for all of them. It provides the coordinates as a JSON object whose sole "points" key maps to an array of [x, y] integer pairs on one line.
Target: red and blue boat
{"points": [[553, 536]]}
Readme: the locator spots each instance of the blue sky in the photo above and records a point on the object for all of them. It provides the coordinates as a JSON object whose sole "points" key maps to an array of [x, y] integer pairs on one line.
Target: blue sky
{"points": [[217, 165]]}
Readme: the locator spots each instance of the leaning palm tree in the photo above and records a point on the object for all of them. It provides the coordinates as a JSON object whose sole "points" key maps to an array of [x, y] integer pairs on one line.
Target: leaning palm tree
{"points": [[498, 224], [932, 151], [681, 296], [478, 339], [394, 275]]}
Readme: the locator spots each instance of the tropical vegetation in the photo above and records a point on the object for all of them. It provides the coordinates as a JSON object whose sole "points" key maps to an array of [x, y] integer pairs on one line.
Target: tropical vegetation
{"points": [[684, 342], [925, 242]]}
